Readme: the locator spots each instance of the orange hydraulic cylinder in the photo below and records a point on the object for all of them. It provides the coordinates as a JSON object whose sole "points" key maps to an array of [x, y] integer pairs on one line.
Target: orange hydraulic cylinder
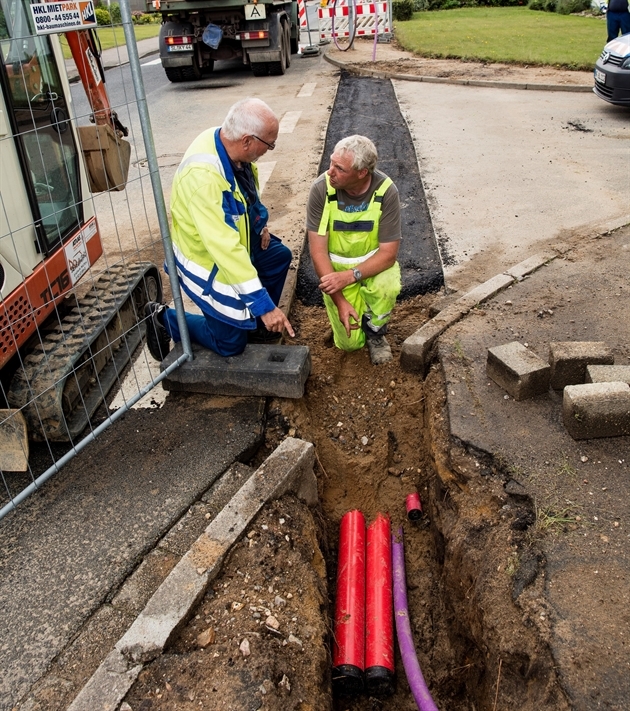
{"points": [[349, 641], [379, 616]]}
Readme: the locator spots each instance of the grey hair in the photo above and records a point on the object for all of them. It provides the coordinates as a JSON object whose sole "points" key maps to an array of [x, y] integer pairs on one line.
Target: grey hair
{"points": [[247, 117], [363, 150]]}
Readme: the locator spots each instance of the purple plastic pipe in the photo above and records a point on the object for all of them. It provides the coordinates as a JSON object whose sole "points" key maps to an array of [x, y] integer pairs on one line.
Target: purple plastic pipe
{"points": [[416, 681]]}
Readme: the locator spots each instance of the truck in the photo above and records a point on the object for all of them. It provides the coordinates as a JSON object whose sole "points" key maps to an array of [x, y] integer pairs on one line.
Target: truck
{"points": [[196, 33], [64, 338]]}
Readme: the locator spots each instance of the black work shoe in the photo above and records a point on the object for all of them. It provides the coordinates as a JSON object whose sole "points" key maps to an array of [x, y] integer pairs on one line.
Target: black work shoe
{"points": [[380, 351], [262, 336], [158, 340]]}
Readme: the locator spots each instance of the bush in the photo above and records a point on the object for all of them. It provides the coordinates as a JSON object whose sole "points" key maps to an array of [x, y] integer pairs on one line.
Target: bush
{"points": [[102, 16], [114, 11], [142, 18], [568, 7], [402, 10], [452, 4]]}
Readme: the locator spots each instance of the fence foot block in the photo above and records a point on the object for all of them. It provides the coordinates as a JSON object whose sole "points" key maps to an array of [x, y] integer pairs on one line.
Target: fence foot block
{"points": [[261, 371]]}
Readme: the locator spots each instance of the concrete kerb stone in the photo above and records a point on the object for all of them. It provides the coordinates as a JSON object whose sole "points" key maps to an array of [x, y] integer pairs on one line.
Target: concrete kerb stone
{"points": [[288, 468], [596, 410], [608, 374], [379, 74]]}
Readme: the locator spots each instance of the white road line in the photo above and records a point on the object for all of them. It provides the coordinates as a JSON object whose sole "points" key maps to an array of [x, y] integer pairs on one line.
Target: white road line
{"points": [[289, 120], [143, 371], [307, 90], [149, 64], [264, 173]]}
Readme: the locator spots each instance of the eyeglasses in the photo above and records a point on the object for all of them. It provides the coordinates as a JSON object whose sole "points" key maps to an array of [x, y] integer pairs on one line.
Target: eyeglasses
{"points": [[270, 146]]}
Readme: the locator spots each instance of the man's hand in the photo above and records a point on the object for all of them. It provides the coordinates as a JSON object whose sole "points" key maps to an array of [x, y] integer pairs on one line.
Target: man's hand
{"points": [[336, 281], [265, 238], [348, 316], [276, 322]]}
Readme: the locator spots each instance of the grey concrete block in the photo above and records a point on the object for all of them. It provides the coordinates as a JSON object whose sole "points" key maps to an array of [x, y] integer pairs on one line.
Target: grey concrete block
{"points": [[519, 371], [526, 267], [288, 468], [108, 685], [261, 370], [486, 290], [568, 360], [13, 441], [596, 410], [415, 355], [608, 374]]}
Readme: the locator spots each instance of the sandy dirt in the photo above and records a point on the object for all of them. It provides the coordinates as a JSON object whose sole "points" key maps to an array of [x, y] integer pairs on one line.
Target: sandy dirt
{"points": [[392, 59], [369, 426]]}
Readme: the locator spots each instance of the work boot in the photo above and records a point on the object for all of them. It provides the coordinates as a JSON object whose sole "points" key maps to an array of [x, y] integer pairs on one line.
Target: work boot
{"points": [[380, 351], [264, 337], [158, 340]]}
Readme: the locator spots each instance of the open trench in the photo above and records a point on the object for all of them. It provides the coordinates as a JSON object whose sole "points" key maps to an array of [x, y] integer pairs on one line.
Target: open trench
{"points": [[379, 434]]}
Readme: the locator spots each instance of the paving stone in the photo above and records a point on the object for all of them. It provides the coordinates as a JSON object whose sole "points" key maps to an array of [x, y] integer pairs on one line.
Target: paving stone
{"points": [[568, 360], [608, 374], [519, 371], [596, 410], [261, 370]]}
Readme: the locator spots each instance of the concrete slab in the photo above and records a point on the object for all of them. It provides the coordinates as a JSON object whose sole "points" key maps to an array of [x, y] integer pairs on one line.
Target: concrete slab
{"points": [[276, 371]]}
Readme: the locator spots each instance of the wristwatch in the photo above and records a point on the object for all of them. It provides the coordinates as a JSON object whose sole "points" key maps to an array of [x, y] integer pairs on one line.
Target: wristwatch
{"points": [[357, 274]]}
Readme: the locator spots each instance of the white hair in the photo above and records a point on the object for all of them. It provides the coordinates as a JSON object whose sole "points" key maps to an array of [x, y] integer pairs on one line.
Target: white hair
{"points": [[247, 117], [363, 151]]}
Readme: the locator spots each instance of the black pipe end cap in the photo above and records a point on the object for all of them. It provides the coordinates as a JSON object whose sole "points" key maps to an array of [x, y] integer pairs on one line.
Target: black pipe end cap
{"points": [[414, 514], [379, 681], [347, 680]]}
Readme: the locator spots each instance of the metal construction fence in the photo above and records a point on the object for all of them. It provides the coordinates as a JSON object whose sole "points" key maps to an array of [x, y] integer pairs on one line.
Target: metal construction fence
{"points": [[83, 236]]}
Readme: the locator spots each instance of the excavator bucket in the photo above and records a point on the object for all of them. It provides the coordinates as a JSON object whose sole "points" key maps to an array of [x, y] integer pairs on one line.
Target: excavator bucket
{"points": [[107, 157]]}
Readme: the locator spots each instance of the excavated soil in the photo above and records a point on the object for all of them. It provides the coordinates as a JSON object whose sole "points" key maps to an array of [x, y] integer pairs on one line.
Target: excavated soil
{"points": [[379, 434]]}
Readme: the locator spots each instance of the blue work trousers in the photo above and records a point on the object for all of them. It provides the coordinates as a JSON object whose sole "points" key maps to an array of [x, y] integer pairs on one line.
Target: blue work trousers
{"points": [[272, 265], [617, 22]]}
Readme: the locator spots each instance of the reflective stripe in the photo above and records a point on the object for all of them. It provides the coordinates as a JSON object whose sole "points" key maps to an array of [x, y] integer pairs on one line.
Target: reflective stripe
{"points": [[195, 290], [338, 259], [207, 158], [245, 287]]}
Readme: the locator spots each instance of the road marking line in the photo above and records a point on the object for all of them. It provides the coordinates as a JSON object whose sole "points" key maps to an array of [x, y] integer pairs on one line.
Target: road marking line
{"points": [[264, 173], [149, 64], [307, 90], [289, 120]]}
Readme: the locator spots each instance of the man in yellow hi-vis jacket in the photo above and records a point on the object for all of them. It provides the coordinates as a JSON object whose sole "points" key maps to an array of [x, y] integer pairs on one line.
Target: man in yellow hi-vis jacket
{"points": [[353, 224], [227, 261]]}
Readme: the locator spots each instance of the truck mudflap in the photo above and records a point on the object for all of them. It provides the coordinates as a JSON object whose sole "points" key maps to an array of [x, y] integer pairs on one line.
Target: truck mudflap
{"points": [[68, 373]]}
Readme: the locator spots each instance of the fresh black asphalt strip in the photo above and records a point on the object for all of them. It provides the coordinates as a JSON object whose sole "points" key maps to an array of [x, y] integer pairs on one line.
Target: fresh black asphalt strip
{"points": [[369, 107]]}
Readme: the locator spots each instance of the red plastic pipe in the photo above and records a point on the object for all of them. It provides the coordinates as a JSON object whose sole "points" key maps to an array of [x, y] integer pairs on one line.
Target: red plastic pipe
{"points": [[414, 507], [349, 641], [379, 619]]}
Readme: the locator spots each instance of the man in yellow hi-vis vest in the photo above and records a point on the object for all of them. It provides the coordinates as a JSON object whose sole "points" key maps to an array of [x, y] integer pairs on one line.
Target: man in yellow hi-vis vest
{"points": [[353, 224]]}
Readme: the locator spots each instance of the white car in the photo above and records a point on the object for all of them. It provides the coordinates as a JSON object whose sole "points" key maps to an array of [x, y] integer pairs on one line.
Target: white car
{"points": [[612, 72]]}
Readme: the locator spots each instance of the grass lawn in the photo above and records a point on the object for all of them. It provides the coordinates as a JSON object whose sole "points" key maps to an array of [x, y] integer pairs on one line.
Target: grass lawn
{"points": [[114, 36], [505, 34]]}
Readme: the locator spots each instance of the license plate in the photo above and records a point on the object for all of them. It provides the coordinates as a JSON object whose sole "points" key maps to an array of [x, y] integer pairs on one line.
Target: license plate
{"points": [[600, 76], [180, 48], [255, 12]]}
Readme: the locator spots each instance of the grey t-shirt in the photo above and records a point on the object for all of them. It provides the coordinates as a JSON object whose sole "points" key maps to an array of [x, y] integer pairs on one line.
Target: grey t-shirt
{"points": [[389, 225]]}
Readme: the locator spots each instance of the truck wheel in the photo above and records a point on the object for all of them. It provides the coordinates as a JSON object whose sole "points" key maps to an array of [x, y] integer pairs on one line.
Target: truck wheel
{"points": [[279, 68], [260, 69], [192, 73], [173, 74], [287, 43]]}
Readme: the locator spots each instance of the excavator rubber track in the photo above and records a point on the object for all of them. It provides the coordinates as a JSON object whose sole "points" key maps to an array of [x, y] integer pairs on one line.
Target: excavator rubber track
{"points": [[67, 374]]}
